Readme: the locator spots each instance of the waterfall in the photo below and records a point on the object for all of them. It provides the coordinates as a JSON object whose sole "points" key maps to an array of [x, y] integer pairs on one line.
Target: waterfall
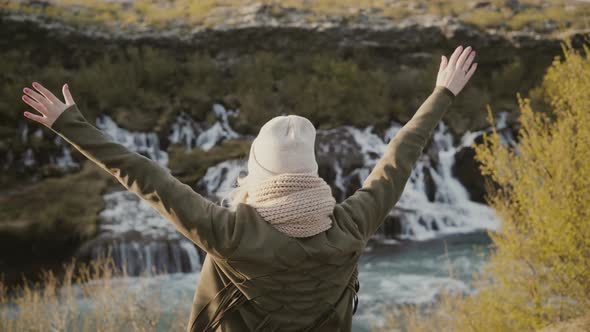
{"points": [[419, 216], [221, 178], [451, 211], [62, 159], [147, 144], [138, 238], [350, 153], [190, 133], [434, 202]]}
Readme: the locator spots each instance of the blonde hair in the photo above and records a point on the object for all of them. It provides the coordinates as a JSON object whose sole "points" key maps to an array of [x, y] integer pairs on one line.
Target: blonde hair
{"points": [[238, 194]]}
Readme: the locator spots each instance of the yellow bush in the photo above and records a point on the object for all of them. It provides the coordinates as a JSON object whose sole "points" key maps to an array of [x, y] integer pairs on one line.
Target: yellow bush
{"points": [[543, 195], [539, 272]]}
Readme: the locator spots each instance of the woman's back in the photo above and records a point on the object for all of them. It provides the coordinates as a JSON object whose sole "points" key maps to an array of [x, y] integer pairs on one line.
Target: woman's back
{"points": [[273, 281]]}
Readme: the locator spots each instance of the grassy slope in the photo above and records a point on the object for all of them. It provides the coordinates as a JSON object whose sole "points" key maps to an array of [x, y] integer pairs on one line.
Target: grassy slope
{"points": [[51, 209]]}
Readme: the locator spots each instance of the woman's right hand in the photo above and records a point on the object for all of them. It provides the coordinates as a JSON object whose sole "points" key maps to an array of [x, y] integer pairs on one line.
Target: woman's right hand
{"points": [[455, 72], [46, 103]]}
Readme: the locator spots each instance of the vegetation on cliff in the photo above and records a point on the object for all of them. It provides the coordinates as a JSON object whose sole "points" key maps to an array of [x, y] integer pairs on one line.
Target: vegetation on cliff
{"points": [[144, 87], [539, 272], [542, 16]]}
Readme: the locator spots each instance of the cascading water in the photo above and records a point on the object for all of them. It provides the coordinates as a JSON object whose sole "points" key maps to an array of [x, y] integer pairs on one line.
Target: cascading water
{"points": [[146, 144], [190, 133], [451, 211], [131, 231], [434, 202], [221, 178], [347, 155], [62, 159]]}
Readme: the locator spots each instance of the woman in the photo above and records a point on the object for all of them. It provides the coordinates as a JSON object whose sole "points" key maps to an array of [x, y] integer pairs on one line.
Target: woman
{"points": [[284, 258]]}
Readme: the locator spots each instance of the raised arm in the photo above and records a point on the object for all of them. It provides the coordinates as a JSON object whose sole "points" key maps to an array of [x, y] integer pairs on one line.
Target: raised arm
{"points": [[381, 190], [208, 225]]}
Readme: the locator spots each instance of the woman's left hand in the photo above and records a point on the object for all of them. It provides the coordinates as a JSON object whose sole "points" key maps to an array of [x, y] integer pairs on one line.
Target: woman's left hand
{"points": [[46, 103], [455, 72]]}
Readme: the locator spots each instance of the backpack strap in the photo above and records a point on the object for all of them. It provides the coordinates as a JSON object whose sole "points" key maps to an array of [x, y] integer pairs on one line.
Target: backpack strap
{"points": [[229, 298]]}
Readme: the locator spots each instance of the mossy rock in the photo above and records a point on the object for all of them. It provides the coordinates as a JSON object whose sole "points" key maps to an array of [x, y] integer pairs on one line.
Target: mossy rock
{"points": [[56, 209], [190, 165]]}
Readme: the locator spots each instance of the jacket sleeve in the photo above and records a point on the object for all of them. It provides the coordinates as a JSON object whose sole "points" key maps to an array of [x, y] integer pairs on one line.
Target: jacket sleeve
{"points": [[207, 224], [381, 190]]}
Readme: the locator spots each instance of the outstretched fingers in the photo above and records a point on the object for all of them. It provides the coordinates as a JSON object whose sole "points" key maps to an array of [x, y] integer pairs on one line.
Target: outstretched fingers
{"points": [[467, 64], [443, 63], [463, 57], [39, 107], [455, 56], [471, 71], [67, 95], [35, 96], [35, 117], [46, 93], [46, 103]]}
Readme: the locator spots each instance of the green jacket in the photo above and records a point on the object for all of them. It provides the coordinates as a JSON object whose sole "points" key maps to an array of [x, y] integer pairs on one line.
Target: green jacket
{"points": [[254, 277]]}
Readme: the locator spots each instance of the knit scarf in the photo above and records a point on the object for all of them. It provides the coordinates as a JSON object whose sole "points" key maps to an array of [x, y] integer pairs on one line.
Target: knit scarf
{"points": [[296, 204]]}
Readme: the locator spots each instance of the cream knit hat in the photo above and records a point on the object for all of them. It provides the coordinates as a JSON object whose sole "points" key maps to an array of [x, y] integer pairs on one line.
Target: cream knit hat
{"points": [[285, 144], [283, 181]]}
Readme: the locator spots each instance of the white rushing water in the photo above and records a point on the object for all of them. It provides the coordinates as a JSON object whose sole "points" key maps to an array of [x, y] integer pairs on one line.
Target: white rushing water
{"points": [[62, 159], [134, 233], [147, 144], [193, 134], [137, 230], [451, 211]]}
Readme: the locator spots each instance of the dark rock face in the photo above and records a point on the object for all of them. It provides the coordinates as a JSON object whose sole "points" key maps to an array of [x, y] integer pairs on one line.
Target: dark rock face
{"points": [[392, 226], [338, 162], [466, 170], [256, 27], [23, 257], [429, 184]]}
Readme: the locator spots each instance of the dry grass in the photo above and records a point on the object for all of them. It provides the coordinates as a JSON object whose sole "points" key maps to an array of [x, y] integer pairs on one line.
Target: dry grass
{"points": [[62, 303]]}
